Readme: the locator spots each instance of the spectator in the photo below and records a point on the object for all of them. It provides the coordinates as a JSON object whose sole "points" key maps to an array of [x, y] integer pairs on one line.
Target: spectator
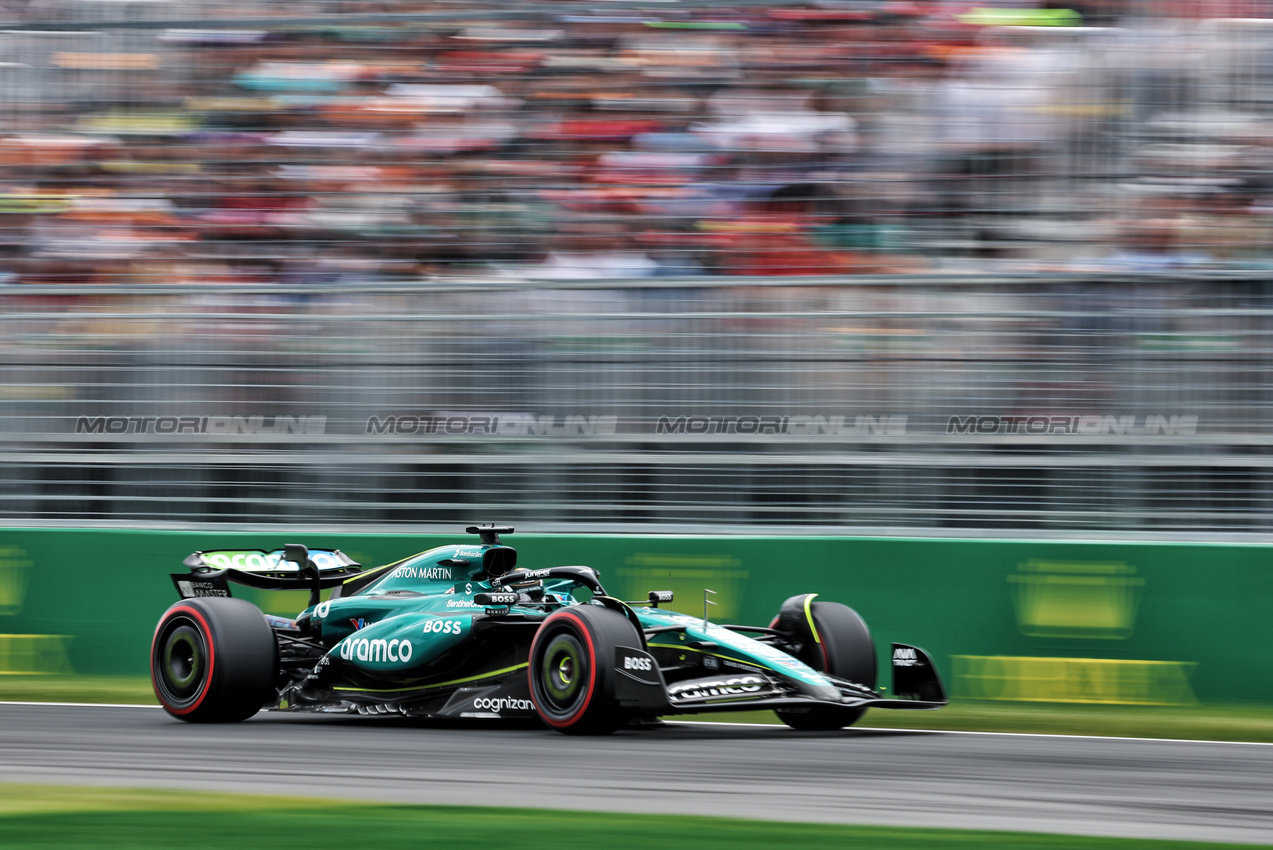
{"points": [[663, 144]]}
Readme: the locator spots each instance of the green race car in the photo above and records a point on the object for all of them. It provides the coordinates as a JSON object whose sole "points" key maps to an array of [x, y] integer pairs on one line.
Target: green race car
{"points": [[460, 632]]}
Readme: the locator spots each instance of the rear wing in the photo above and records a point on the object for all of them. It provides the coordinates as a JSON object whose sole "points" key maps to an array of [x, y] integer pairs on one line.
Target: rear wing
{"points": [[294, 567]]}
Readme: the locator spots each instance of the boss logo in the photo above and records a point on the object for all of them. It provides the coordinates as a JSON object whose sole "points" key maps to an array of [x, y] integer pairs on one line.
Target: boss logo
{"points": [[636, 664], [496, 599]]}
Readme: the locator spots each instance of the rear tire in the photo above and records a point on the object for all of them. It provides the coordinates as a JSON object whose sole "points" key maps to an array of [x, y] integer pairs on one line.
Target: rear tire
{"points": [[843, 649], [571, 670], [213, 660]]}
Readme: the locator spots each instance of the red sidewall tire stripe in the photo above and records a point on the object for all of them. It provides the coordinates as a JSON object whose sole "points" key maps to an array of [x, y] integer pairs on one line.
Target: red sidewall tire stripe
{"points": [[592, 674], [212, 654]]}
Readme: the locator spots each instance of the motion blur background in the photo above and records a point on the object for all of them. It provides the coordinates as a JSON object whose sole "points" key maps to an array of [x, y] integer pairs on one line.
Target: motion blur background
{"points": [[849, 266]]}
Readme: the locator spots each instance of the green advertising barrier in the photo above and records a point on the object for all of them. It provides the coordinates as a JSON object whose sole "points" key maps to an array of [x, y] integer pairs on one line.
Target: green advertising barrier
{"points": [[1046, 621]]}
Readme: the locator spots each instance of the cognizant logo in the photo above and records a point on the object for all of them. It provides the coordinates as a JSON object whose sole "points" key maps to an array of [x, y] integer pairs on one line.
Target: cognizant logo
{"points": [[501, 703]]}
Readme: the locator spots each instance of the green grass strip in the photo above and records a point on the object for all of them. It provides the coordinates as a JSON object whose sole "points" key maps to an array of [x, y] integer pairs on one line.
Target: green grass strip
{"points": [[46, 816], [127, 690]]}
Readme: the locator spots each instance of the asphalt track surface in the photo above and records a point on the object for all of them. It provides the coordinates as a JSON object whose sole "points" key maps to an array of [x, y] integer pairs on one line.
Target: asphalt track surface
{"points": [[1085, 786]]}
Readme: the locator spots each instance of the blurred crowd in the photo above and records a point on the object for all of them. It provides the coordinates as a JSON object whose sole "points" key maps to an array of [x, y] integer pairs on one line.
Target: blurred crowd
{"points": [[277, 144]]}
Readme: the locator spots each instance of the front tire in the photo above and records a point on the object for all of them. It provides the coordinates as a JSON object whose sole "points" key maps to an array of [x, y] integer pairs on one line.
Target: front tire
{"points": [[571, 670], [841, 647], [213, 660]]}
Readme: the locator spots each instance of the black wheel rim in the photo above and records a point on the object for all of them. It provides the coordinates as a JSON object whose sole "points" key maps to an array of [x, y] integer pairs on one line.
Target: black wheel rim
{"points": [[562, 672], [181, 663]]}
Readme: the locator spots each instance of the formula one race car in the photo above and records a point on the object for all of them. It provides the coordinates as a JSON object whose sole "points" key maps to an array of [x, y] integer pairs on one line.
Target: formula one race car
{"points": [[459, 631]]}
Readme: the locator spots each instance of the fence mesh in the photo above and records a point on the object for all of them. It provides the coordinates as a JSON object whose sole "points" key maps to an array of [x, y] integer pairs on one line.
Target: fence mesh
{"points": [[1123, 405]]}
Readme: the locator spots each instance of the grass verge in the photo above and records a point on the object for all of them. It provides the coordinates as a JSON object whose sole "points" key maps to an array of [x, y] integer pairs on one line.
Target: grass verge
{"points": [[47, 816], [127, 690], [1201, 722]]}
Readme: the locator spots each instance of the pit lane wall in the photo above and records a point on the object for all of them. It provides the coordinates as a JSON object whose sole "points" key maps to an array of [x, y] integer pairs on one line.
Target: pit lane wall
{"points": [[1050, 621]]}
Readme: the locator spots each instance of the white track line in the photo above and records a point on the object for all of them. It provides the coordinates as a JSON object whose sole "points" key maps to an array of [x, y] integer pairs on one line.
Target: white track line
{"points": [[779, 726]]}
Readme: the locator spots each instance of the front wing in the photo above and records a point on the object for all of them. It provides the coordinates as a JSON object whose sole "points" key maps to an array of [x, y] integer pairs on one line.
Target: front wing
{"points": [[640, 686]]}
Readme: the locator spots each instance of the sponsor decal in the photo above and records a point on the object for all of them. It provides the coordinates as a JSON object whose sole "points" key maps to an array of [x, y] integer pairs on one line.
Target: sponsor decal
{"points": [[711, 662], [904, 656], [636, 664], [738, 665], [499, 704], [322, 609], [461, 603], [1113, 681], [468, 553], [195, 589], [430, 573], [15, 568], [359, 623], [520, 575], [268, 560], [704, 690], [378, 650], [1084, 599], [444, 627], [500, 599]]}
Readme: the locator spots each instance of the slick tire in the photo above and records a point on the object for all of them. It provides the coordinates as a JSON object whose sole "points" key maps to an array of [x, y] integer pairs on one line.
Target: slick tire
{"points": [[843, 648], [213, 660], [572, 676]]}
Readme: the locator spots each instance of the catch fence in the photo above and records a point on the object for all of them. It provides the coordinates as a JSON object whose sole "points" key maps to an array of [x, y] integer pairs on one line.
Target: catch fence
{"points": [[1049, 405]]}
